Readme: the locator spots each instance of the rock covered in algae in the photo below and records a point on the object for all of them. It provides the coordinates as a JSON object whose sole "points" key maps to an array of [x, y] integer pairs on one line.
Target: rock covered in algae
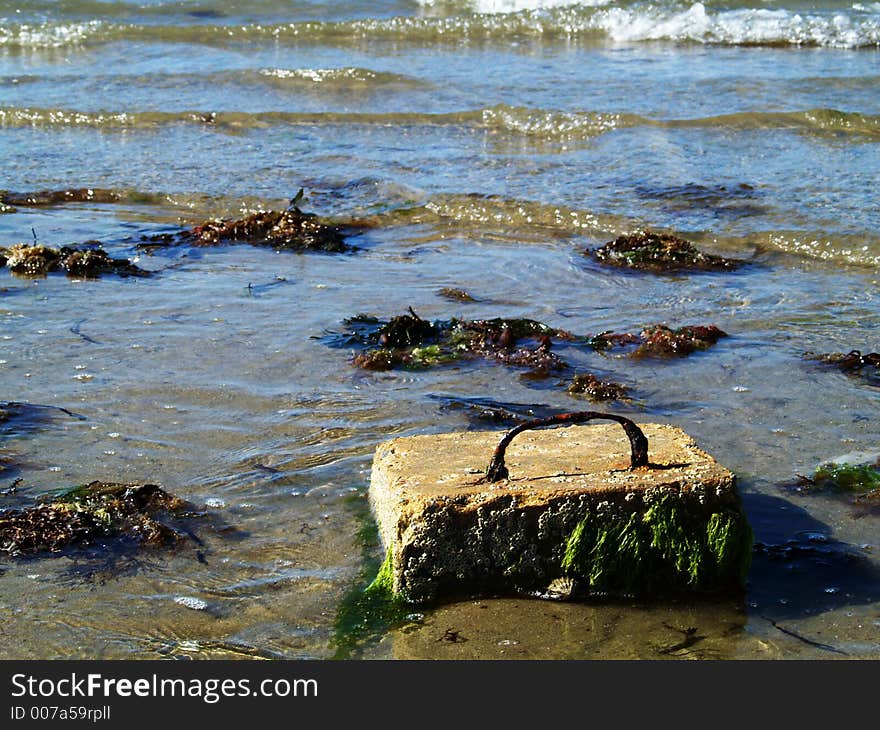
{"points": [[570, 510], [38, 260], [659, 252], [80, 516]]}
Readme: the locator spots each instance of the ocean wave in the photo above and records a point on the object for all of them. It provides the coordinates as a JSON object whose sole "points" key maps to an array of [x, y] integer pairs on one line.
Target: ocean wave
{"points": [[348, 78], [501, 120], [504, 6], [861, 249], [625, 23]]}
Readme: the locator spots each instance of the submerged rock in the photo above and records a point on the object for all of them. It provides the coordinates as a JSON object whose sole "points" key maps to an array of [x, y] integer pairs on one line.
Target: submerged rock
{"points": [[38, 260], [143, 513], [659, 252]]}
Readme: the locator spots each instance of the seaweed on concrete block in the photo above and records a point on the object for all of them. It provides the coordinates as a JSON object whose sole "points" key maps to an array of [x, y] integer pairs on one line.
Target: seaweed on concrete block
{"points": [[659, 252]]}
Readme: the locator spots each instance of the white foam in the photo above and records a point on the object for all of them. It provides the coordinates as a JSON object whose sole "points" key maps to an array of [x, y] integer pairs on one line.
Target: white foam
{"points": [[514, 6], [196, 604], [745, 26], [48, 35]]}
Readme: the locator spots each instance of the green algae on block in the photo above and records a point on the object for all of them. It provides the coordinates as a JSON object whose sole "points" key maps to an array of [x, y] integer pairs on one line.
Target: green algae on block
{"points": [[662, 549], [570, 511], [370, 607]]}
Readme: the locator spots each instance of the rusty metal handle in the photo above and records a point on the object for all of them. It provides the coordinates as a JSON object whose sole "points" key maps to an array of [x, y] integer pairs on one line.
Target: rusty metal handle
{"points": [[638, 442]]}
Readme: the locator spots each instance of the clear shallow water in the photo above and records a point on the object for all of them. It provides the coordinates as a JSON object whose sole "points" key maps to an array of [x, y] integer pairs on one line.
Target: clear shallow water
{"points": [[486, 152]]}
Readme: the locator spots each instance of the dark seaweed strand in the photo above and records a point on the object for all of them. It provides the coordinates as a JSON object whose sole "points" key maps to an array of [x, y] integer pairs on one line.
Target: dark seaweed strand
{"points": [[497, 471]]}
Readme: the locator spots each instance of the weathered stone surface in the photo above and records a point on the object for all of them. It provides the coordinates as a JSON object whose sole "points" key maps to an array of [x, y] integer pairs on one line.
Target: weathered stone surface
{"points": [[571, 509]]}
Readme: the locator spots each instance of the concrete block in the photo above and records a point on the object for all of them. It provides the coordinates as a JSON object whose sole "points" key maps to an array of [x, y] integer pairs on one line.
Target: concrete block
{"points": [[573, 516]]}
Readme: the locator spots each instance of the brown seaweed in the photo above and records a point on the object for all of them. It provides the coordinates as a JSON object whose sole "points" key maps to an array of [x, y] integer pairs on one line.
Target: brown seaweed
{"points": [[854, 362], [143, 513], [458, 295], [37, 260], [659, 252], [595, 389], [410, 341], [289, 229], [660, 341]]}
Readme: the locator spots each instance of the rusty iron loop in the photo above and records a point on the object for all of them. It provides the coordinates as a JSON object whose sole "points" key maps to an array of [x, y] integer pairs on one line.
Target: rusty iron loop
{"points": [[497, 471]]}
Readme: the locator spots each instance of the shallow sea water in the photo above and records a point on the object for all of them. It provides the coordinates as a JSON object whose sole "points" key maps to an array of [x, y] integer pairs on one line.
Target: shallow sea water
{"points": [[485, 146]]}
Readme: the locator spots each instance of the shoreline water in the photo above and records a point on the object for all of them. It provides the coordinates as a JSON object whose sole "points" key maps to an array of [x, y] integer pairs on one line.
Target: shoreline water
{"points": [[489, 161]]}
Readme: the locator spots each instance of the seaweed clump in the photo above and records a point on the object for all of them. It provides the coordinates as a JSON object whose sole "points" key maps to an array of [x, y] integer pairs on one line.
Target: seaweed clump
{"points": [[38, 260], [859, 481], [290, 229], [410, 341], [659, 252], [595, 389], [142, 513], [660, 340], [852, 363]]}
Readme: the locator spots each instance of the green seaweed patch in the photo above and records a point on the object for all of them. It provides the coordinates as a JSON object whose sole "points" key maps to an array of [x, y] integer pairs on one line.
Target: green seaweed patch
{"points": [[861, 482], [371, 607], [85, 262], [666, 549], [659, 252], [854, 362], [595, 389], [84, 515], [848, 477]]}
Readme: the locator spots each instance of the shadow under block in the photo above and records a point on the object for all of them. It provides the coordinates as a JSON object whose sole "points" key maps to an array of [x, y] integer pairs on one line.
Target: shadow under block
{"points": [[572, 513]]}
